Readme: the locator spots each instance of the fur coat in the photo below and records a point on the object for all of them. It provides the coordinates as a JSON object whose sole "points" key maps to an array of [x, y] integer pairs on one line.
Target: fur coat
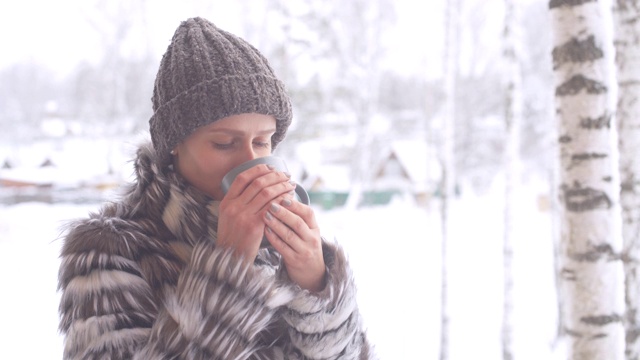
{"points": [[143, 279]]}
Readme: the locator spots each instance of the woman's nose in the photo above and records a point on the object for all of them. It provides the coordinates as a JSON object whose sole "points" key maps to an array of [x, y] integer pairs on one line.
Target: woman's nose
{"points": [[249, 153]]}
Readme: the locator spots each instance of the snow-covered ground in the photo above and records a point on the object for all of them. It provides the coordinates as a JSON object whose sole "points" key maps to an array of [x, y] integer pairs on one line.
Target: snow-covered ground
{"points": [[395, 251]]}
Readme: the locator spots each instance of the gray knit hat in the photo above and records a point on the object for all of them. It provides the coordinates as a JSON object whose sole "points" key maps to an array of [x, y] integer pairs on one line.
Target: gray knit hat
{"points": [[208, 74]]}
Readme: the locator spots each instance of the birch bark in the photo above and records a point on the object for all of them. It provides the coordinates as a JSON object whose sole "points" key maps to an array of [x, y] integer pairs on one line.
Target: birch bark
{"points": [[447, 154], [627, 42], [591, 240], [513, 116]]}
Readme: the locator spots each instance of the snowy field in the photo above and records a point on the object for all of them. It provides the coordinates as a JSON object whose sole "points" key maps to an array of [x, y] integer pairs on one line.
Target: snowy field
{"points": [[395, 251]]}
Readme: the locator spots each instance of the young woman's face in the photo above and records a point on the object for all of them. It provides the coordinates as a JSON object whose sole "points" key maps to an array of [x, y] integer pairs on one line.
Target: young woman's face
{"points": [[212, 150]]}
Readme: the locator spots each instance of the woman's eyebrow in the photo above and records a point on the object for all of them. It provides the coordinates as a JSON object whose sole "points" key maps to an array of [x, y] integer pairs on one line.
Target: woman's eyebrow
{"points": [[241, 132]]}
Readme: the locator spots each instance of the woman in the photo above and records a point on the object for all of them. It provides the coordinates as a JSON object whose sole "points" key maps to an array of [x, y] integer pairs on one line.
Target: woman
{"points": [[174, 270]]}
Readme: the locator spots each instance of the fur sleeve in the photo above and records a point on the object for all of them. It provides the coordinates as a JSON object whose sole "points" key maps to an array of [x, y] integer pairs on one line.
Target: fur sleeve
{"points": [[106, 305], [327, 325], [109, 311], [219, 308]]}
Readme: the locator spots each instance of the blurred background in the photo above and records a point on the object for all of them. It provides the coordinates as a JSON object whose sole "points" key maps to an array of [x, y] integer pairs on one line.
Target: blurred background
{"points": [[367, 81]]}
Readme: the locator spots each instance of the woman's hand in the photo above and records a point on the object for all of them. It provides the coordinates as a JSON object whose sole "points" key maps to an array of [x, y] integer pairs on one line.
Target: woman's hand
{"points": [[240, 224], [292, 230]]}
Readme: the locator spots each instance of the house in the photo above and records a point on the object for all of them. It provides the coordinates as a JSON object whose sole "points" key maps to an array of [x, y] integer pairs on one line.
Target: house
{"points": [[405, 167], [71, 169], [408, 166], [41, 176], [20, 184], [328, 185]]}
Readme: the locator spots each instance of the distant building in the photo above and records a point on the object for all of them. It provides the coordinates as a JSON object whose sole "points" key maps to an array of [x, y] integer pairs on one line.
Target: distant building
{"points": [[71, 169], [406, 167]]}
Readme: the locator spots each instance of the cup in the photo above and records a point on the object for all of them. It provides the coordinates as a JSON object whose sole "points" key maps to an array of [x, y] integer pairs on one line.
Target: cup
{"points": [[279, 164]]}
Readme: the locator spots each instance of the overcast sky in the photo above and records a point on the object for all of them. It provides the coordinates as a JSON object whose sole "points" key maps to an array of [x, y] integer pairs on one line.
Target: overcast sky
{"points": [[57, 34]]}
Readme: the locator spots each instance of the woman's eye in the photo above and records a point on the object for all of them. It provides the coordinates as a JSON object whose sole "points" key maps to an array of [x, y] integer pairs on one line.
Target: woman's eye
{"points": [[262, 144], [223, 146]]}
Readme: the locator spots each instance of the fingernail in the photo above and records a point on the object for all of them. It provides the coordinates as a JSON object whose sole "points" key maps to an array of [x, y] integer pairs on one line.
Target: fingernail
{"points": [[274, 207], [287, 174], [286, 202], [270, 167], [268, 216], [292, 182]]}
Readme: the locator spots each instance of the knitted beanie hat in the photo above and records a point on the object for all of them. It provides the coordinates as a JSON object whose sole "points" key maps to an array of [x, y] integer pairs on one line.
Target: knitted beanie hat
{"points": [[208, 74]]}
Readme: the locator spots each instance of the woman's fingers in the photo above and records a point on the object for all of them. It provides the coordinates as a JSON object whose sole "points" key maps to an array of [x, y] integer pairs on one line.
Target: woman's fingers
{"points": [[293, 223], [240, 223], [268, 191], [291, 229], [242, 181], [259, 185]]}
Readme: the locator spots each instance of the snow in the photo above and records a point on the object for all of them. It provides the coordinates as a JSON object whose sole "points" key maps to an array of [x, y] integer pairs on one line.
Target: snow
{"points": [[395, 253], [100, 160], [29, 267], [395, 250]]}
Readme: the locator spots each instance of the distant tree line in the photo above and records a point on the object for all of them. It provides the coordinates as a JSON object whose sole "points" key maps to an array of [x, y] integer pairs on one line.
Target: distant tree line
{"points": [[330, 55]]}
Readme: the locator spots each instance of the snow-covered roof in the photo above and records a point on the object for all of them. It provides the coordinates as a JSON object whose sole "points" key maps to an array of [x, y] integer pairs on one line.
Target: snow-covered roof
{"points": [[330, 177], [70, 162], [418, 159]]}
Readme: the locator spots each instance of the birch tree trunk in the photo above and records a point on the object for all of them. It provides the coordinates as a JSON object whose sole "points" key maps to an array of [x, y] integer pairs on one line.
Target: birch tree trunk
{"points": [[592, 284], [448, 159], [627, 41], [513, 116]]}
